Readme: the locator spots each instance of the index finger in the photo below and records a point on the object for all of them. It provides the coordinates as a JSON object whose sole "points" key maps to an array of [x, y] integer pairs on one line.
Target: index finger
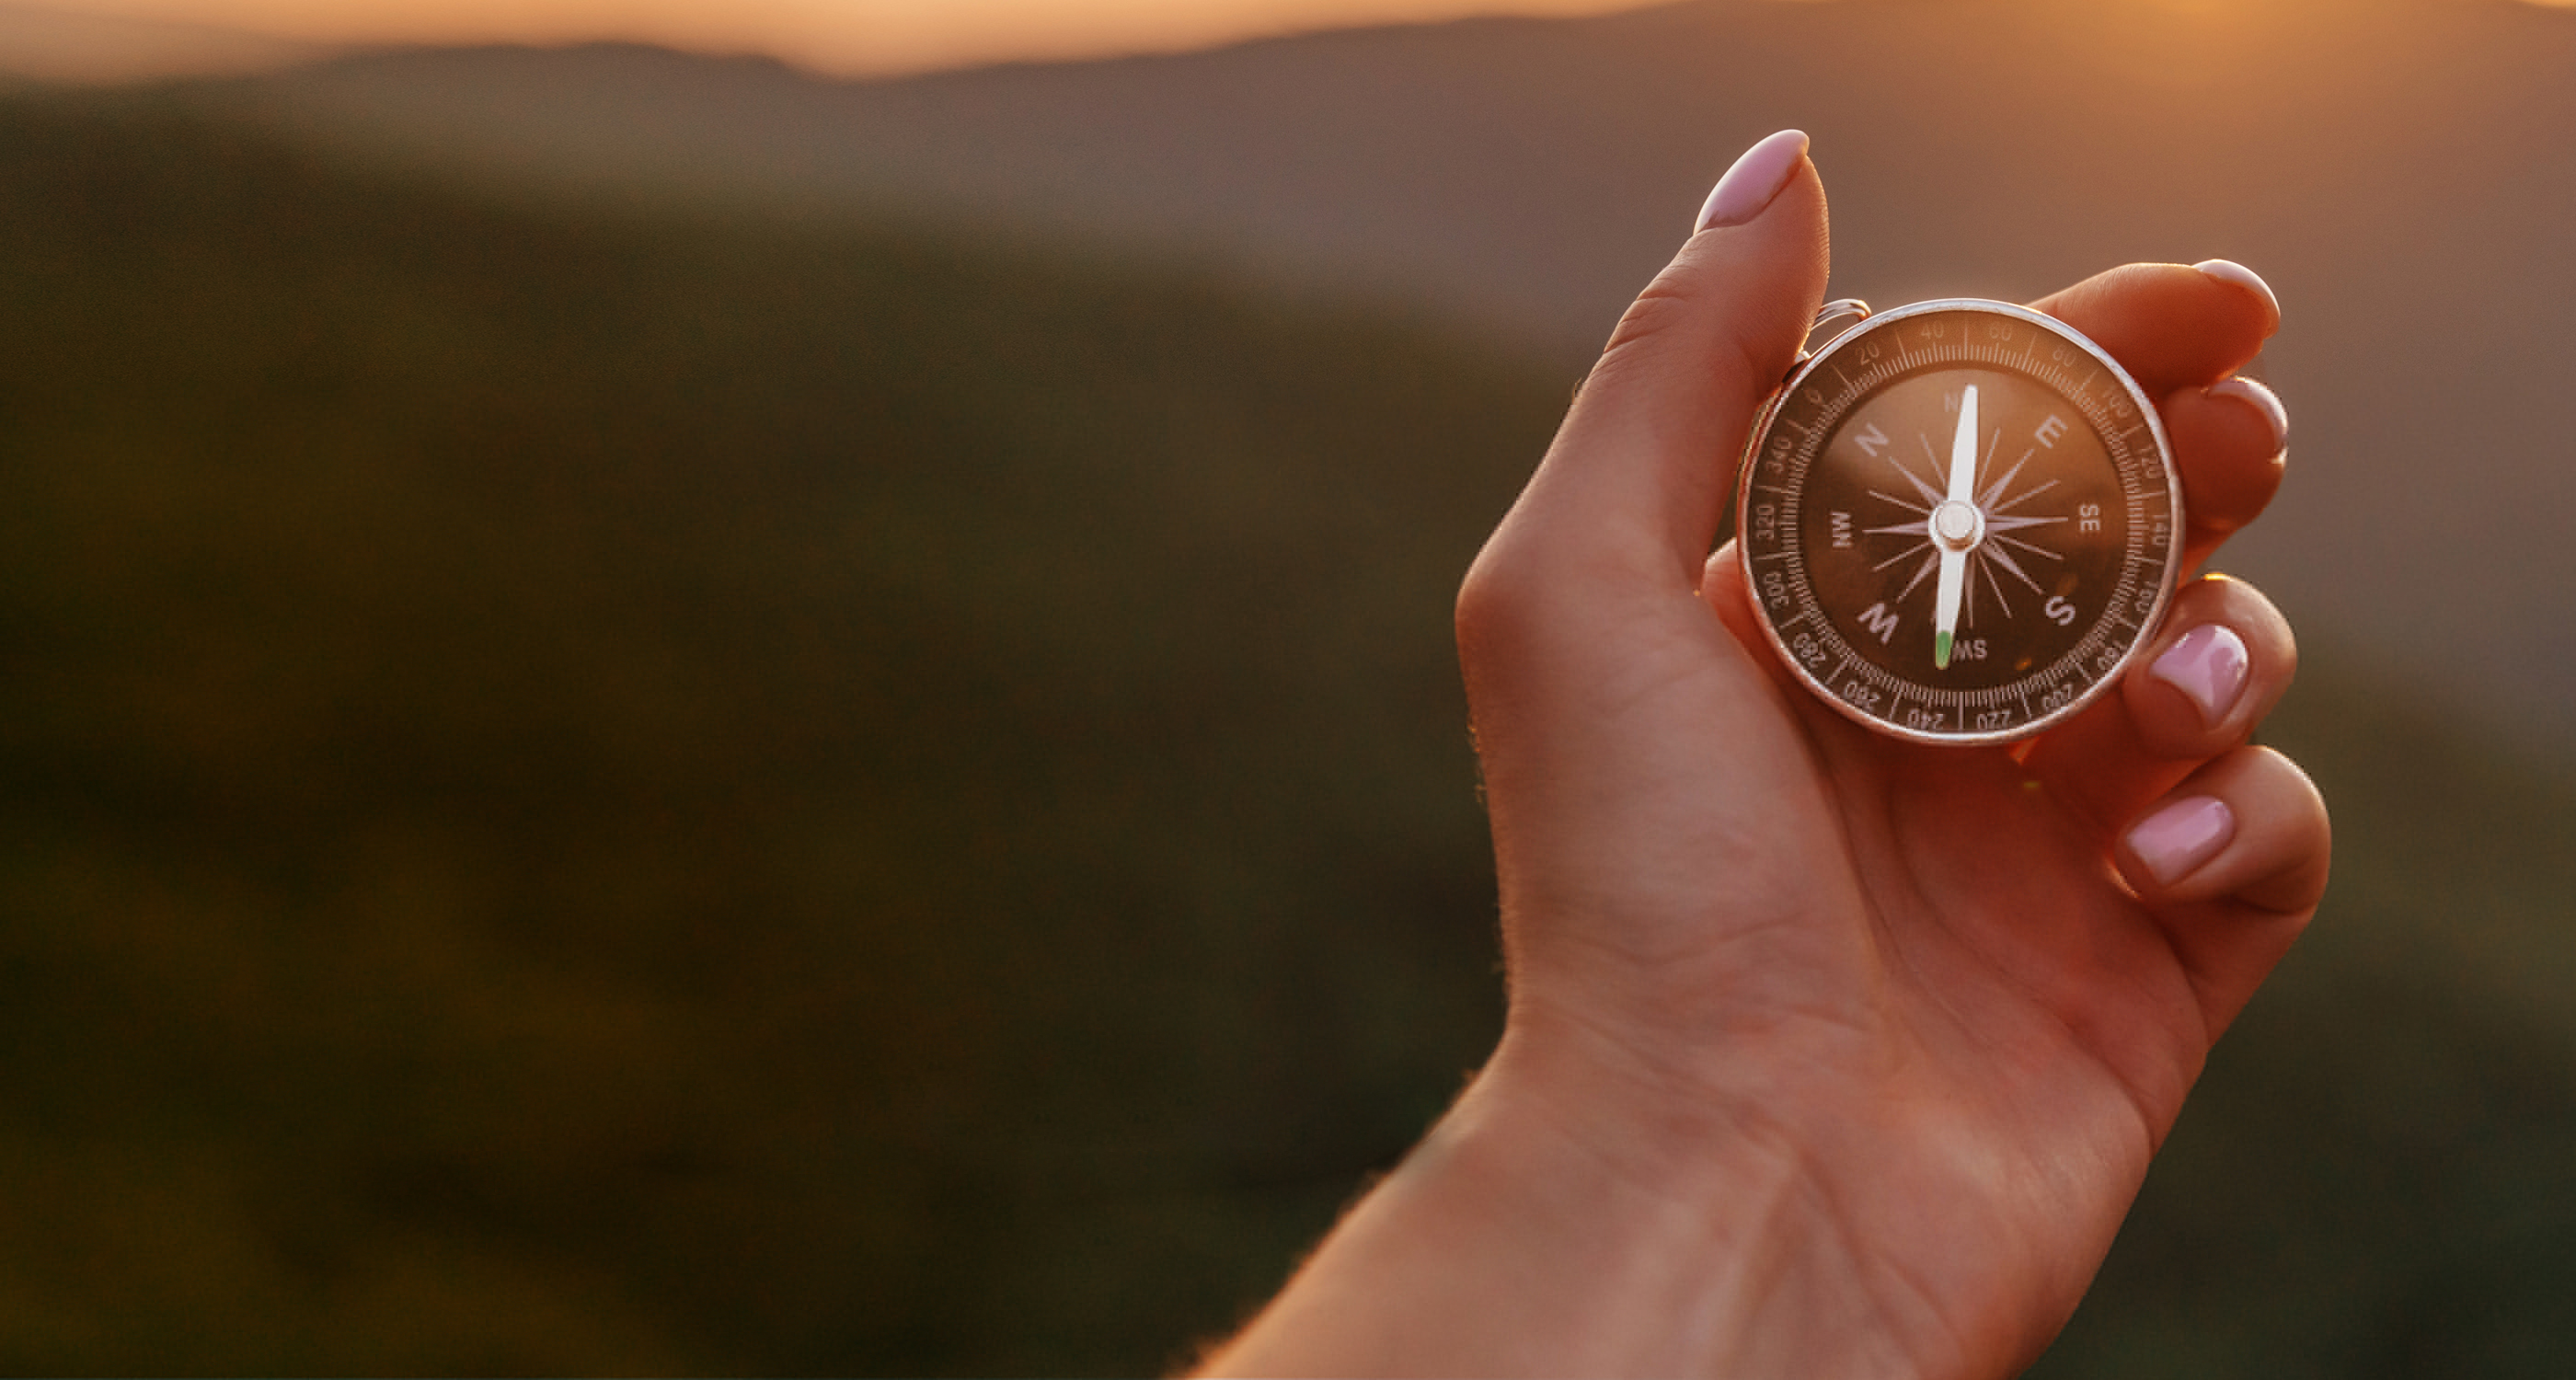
{"points": [[2172, 326]]}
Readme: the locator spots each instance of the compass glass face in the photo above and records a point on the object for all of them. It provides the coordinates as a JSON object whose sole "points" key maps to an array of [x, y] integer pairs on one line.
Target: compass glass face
{"points": [[1960, 522]]}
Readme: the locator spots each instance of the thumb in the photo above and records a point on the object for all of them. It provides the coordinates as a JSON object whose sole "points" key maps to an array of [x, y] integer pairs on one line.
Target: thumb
{"points": [[1640, 471]]}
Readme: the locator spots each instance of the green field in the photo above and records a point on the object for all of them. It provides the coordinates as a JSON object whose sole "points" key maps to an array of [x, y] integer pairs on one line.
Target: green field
{"points": [[597, 787]]}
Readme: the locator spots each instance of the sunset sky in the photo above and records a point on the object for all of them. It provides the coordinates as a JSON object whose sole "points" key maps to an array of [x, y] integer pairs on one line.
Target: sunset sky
{"points": [[110, 39], [841, 36]]}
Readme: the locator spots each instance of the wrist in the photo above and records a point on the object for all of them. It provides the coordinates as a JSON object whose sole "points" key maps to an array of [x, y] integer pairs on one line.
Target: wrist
{"points": [[1556, 1221], [1659, 1218]]}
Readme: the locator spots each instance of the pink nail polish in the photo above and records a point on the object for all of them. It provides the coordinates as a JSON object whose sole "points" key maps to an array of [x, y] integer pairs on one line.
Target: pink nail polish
{"points": [[2208, 666], [2174, 841], [2262, 400], [1756, 178], [2238, 275]]}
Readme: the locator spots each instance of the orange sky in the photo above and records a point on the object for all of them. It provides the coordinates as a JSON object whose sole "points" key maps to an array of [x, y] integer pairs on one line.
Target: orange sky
{"points": [[111, 40], [832, 35]]}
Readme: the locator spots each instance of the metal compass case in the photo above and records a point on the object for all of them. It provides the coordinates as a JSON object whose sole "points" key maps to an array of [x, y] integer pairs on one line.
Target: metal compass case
{"points": [[1959, 520]]}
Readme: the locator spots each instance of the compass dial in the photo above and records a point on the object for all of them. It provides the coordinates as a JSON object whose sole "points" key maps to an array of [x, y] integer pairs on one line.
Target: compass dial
{"points": [[1960, 521]]}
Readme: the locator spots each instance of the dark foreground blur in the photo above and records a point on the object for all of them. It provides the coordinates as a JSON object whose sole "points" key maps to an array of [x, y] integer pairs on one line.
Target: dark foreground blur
{"points": [[592, 790]]}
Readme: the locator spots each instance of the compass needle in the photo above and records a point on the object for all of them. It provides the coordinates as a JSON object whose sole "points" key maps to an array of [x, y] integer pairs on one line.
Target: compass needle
{"points": [[1954, 529]]}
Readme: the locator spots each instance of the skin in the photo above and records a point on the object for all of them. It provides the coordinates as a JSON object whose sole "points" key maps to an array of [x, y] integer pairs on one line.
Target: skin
{"points": [[1827, 1054]]}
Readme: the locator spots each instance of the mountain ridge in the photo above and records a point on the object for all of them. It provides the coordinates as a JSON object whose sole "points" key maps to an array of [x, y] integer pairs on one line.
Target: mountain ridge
{"points": [[2375, 161]]}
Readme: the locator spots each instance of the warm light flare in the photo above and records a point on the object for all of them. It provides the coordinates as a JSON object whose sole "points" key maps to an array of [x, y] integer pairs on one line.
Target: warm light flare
{"points": [[841, 36]]}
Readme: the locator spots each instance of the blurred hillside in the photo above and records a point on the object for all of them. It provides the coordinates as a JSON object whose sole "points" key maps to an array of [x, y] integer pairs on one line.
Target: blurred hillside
{"points": [[596, 795], [2396, 168], [42, 43], [633, 790]]}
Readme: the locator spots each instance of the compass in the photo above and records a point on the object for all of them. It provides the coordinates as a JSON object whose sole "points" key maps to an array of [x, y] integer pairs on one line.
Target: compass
{"points": [[1959, 520]]}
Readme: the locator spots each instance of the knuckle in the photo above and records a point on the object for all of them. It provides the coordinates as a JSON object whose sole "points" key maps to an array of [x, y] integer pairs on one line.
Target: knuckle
{"points": [[1676, 323], [2279, 787], [1661, 313], [1493, 607], [2297, 833], [1662, 307]]}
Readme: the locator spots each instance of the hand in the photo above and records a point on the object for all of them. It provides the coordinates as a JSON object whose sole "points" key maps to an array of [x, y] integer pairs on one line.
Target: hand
{"points": [[1827, 1054]]}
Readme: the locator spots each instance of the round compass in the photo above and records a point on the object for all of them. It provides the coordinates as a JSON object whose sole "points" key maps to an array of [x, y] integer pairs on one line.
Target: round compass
{"points": [[1959, 520]]}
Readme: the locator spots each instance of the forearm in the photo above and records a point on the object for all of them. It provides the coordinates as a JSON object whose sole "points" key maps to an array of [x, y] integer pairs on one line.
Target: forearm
{"points": [[1524, 1236]]}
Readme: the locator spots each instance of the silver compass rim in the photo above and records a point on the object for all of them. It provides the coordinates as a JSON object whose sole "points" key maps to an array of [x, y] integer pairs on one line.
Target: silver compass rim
{"points": [[2149, 626]]}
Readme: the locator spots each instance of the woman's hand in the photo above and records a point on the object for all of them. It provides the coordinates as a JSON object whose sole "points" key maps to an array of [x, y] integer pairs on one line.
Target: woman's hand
{"points": [[1828, 1054]]}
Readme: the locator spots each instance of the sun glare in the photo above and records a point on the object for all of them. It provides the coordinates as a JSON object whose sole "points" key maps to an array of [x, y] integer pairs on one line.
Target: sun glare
{"points": [[113, 40], [841, 36]]}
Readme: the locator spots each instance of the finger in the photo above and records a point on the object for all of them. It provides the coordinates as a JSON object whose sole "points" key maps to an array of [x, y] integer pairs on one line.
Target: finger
{"points": [[2222, 659], [2230, 445], [2180, 331], [2232, 864], [2169, 325], [1639, 472]]}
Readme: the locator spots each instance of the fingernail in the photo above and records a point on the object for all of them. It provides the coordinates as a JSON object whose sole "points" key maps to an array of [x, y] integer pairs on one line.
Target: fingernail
{"points": [[2174, 841], [2262, 400], [2238, 275], [2207, 665], [1755, 179]]}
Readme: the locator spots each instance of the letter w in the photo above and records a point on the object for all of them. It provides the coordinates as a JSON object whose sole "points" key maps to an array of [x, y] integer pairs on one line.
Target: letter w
{"points": [[1879, 621]]}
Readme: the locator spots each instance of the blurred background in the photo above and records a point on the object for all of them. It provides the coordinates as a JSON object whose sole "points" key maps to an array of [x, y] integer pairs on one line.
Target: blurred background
{"points": [[765, 687]]}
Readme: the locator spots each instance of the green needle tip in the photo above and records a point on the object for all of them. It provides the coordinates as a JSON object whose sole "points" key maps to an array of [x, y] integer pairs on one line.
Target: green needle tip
{"points": [[1940, 651]]}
